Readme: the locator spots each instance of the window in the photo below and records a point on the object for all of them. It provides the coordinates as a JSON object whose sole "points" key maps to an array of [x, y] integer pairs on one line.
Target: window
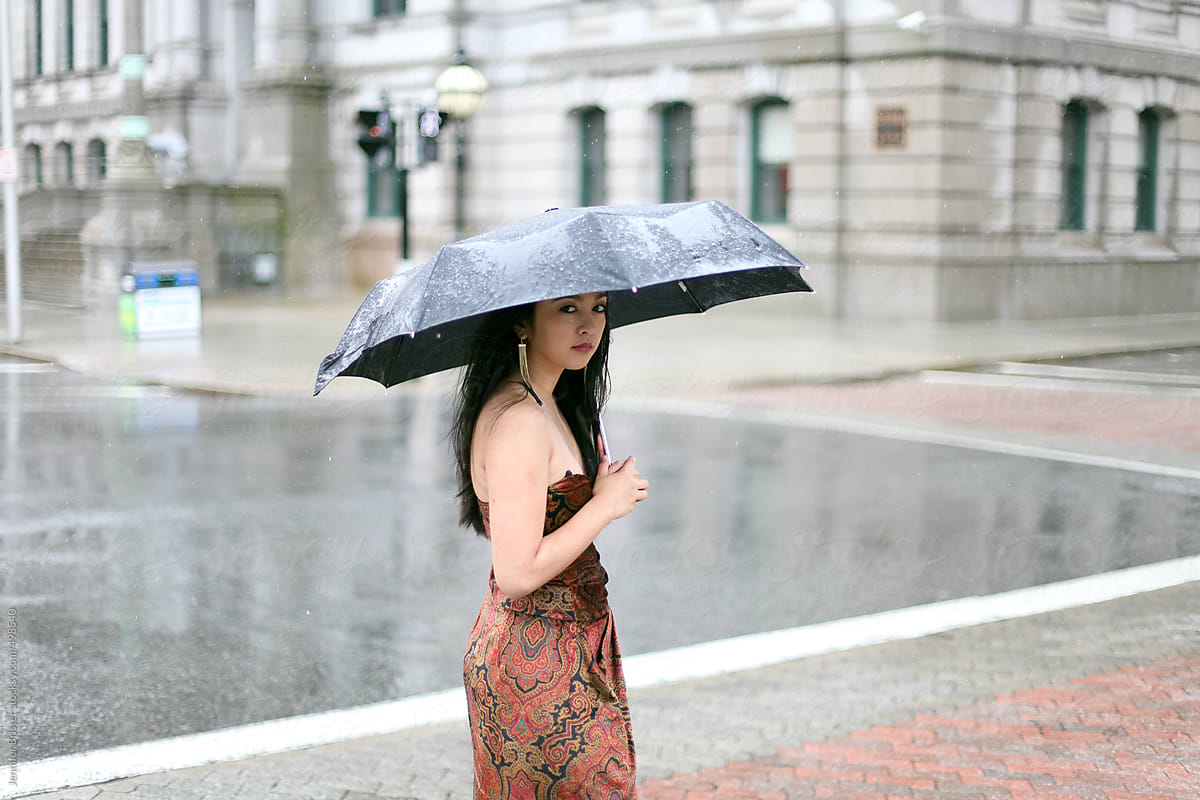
{"points": [[64, 164], [33, 165], [1074, 167], [677, 153], [102, 33], [68, 30], [383, 190], [97, 161], [387, 8], [35, 46], [771, 155], [1147, 174], [591, 157]]}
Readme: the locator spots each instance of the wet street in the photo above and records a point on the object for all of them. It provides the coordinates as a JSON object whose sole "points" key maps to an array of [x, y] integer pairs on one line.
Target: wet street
{"points": [[182, 562]]}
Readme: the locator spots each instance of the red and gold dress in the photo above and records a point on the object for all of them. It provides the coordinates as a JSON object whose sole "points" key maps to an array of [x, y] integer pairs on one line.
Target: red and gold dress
{"points": [[546, 696]]}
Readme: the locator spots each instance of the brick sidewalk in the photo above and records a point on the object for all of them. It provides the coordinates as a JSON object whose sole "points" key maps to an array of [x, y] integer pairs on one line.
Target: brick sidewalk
{"points": [[1119, 734], [1159, 419], [1160, 427], [944, 696]]}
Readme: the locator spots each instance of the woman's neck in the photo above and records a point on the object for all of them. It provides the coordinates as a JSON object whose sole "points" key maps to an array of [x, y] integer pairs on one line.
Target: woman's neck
{"points": [[542, 379]]}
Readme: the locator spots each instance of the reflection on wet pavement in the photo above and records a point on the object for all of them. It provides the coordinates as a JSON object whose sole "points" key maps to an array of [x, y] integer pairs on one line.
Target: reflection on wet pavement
{"points": [[184, 562]]}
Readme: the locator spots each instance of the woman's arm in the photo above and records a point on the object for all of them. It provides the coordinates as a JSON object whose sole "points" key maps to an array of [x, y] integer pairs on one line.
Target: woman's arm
{"points": [[517, 462]]}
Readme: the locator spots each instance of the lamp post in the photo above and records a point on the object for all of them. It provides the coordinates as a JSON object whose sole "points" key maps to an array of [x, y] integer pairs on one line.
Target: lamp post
{"points": [[460, 89]]}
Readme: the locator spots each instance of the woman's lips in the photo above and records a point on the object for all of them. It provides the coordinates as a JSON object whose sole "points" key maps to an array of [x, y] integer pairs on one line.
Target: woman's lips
{"points": [[586, 347]]}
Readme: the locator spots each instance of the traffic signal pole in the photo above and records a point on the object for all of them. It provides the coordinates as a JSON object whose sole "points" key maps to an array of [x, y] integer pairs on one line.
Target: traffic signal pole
{"points": [[12, 229], [401, 138], [403, 213]]}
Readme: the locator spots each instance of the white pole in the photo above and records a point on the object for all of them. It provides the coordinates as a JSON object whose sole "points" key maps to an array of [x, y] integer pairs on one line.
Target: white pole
{"points": [[12, 231]]}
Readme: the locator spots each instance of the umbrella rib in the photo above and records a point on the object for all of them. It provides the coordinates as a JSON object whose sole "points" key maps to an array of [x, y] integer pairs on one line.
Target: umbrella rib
{"points": [[683, 287]]}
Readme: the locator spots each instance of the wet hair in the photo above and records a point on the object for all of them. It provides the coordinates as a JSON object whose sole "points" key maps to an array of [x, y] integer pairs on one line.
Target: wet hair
{"points": [[580, 395]]}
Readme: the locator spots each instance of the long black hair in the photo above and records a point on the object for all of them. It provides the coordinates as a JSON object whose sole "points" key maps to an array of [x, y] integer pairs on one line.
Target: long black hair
{"points": [[580, 395]]}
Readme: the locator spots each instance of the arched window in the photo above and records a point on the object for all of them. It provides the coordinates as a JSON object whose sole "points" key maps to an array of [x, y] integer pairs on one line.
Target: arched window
{"points": [[771, 151], [1146, 217], [64, 164], [97, 161], [591, 157], [1073, 201], [33, 165], [676, 119]]}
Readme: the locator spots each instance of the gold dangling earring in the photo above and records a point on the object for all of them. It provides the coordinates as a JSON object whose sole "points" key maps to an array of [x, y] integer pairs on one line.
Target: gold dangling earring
{"points": [[523, 360]]}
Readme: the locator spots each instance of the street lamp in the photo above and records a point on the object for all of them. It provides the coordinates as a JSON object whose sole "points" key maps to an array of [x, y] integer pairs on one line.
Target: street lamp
{"points": [[460, 89]]}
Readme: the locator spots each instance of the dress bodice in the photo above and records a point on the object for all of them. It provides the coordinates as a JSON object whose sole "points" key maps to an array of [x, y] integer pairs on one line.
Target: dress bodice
{"points": [[563, 498], [578, 592]]}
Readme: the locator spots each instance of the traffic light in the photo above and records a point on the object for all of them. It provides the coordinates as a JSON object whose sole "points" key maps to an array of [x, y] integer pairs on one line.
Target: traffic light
{"points": [[376, 134], [429, 125]]}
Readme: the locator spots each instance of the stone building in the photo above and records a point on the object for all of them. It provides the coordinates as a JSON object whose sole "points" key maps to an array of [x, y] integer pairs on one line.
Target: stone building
{"points": [[929, 159]]}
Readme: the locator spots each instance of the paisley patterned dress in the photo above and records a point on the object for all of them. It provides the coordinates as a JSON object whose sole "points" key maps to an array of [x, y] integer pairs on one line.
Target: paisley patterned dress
{"points": [[546, 695]]}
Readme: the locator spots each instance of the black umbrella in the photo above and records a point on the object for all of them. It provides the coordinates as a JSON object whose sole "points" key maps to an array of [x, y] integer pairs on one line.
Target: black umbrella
{"points": [[653, 260]]}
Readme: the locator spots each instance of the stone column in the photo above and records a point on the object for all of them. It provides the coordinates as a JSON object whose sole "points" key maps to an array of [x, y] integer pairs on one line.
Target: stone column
{"points": [[186, 41], [285, 144], [131, 225], [282, 33]]}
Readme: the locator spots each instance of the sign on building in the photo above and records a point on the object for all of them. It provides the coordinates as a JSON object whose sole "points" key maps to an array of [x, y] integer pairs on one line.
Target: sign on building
{"points": [[159, 300], [891, 126], [8, 164]]}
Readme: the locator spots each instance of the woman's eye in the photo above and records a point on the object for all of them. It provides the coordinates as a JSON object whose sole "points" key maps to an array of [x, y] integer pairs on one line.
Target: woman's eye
{"points": [[600, 308], [567, 308]]}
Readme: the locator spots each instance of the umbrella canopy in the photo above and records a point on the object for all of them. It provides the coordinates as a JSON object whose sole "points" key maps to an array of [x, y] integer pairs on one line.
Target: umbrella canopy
{"points": [[653, 260]]}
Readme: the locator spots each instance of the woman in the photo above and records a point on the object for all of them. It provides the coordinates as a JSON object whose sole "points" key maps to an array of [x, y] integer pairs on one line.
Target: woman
{"points": [[545, 692]]}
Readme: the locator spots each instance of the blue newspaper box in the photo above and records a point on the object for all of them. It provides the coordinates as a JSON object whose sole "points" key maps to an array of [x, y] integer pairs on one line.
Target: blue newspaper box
{"points": [[160, 300]]}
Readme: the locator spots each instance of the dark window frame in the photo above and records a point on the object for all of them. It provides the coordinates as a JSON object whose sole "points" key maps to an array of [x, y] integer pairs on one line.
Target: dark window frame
{"points": [[388, 8], [64, 163], [761, 171], [37, 44], [97, 161], [676, 168], [102, 32], [1074, 167], [69, 35], [1149, 132], [592, 160], [33, 156]]}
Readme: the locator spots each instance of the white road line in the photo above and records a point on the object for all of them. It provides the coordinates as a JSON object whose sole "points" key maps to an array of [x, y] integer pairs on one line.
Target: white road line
{"points": [[649, 669], [230, 744], [774, 647], [1008, 380], [16, 367], [770, 416]]}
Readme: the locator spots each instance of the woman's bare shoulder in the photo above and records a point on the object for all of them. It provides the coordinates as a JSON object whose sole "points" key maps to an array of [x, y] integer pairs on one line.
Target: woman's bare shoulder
{"points": [[512, 435], [510, 412]]}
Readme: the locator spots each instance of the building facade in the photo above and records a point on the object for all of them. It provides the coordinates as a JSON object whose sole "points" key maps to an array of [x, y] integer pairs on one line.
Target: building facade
{"points": [[929, 159]]}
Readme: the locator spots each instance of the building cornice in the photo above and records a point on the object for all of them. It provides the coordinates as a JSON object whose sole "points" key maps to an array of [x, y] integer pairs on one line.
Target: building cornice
{"points": [[943, 38]]}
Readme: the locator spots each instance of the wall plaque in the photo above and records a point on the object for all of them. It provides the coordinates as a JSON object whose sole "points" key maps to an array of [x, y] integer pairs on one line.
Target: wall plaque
{"points": [[891, 126]]}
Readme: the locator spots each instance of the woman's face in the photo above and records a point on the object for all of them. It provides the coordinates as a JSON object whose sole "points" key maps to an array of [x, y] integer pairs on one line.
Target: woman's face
{"points": [[567, 331]]}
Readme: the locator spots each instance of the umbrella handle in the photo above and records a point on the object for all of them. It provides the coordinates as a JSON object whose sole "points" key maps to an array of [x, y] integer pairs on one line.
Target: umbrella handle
{"points": [[604, 438]]}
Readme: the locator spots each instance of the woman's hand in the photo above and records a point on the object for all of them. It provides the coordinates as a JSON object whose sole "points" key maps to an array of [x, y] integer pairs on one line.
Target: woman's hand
{"points": [[618, 486]]}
